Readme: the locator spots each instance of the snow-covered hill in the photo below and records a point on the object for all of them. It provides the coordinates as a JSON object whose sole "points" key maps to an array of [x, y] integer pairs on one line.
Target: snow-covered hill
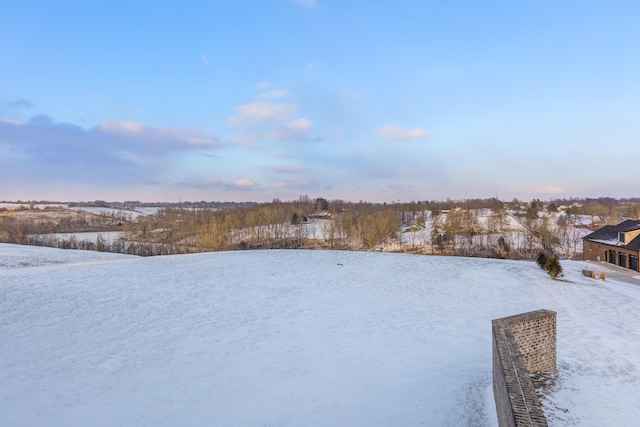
{"points": [[290, 338]]}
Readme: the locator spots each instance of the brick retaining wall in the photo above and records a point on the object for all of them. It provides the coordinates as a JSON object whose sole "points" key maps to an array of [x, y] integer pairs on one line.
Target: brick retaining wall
{"points": [[522, 344]]}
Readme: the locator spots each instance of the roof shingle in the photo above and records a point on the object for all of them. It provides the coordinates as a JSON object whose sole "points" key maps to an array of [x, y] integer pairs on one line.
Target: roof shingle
{"points": [[610, 232]]}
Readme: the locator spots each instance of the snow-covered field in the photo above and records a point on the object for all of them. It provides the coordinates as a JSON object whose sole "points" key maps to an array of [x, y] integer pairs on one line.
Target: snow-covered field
{"points": [[18, 256], [11, 206], [291, 338]]}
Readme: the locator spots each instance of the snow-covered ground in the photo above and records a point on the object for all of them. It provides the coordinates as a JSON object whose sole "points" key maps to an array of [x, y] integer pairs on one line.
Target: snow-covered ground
{"points": [[18, 256], [11, 206], [290, 338]]}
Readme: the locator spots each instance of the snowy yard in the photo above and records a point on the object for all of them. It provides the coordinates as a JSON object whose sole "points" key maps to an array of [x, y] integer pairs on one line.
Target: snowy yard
{"points": [[291, 338]]}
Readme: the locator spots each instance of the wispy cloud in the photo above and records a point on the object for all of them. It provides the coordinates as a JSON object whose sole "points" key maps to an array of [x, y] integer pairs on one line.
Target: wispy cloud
{"points": [[265, 85], [274, 94], [204, 59], [551, 190], [295, 184], [21, 104], [168, 137], [244, 183], [216, 183], [393, 133], [268, 119], [11, 121], [295, 130], [114, 152], [286, 169], [262, 112], [307, 3], [245, 140]]}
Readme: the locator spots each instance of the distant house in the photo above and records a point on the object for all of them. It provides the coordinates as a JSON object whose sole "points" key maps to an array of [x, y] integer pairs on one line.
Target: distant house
{"points": [[617, 244]]}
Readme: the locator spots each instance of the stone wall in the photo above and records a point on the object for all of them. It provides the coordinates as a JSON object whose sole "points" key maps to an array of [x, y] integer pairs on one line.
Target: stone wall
{"points": [[522, 344]]}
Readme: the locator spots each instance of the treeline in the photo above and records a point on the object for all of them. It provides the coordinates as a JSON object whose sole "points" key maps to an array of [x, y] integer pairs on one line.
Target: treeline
{"points": [[102, 244], [471, 227], [18, 228], [275, 225], [436, 227]]}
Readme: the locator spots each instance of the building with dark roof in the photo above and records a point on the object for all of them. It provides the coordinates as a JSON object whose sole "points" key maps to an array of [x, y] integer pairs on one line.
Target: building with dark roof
{"points": [[617, 244]]}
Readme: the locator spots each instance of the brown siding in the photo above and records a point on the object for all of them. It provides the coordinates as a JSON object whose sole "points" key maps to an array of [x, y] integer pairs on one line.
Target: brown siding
{"points": [[591, 251]]}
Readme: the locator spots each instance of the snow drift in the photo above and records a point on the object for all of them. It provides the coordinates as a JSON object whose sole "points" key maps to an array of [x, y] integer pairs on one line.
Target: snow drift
{"points": [[295, 338]]}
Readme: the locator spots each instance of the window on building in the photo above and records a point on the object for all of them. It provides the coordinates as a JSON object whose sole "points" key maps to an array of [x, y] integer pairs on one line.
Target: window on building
{"points": [[621, 238]]}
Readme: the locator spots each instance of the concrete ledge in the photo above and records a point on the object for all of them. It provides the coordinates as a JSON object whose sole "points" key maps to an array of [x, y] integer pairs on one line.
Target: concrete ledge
{"points": [[522, 344]]}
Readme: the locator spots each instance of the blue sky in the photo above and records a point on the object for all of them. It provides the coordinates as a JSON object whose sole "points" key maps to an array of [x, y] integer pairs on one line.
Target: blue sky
{"points": [[378, 100]]}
